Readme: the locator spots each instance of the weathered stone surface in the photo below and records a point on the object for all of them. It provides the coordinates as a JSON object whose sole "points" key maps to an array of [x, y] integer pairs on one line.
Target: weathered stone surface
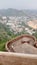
{"points": [[8, 58]]}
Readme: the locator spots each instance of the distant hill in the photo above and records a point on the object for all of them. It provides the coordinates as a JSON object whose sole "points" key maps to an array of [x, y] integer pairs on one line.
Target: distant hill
{"points": [[15, 12], [11, 12]]}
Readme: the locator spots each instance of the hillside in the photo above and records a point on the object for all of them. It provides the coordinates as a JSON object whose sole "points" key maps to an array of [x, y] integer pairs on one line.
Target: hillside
{"points": [[15, 12], [11, 12], [4, 35]]}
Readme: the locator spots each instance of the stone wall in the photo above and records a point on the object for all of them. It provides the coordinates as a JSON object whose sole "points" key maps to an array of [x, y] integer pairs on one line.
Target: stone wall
{"points": [[8, 58]]}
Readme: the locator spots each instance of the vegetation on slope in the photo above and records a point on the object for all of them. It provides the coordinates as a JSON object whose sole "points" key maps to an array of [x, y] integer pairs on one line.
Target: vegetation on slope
{"points": [[6, 35]]}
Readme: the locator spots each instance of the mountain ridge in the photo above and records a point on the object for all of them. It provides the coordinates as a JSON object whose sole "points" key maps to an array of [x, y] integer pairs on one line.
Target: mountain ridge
{"points": [[15, 12]]}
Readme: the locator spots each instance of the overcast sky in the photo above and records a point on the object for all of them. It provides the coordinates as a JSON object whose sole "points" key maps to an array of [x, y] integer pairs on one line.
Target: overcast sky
{"points": [[18, 4]]}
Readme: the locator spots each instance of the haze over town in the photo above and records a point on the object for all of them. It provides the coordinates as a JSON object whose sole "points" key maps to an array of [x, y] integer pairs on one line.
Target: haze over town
{"points": [[18, 4]]}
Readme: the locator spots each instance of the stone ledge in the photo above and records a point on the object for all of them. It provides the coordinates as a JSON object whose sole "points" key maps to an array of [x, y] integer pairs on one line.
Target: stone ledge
{"points": [[9, 58]]}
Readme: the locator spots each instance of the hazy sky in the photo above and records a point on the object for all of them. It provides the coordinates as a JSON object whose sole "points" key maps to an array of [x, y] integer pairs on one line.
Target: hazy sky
{"points": [[18, 4]]}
